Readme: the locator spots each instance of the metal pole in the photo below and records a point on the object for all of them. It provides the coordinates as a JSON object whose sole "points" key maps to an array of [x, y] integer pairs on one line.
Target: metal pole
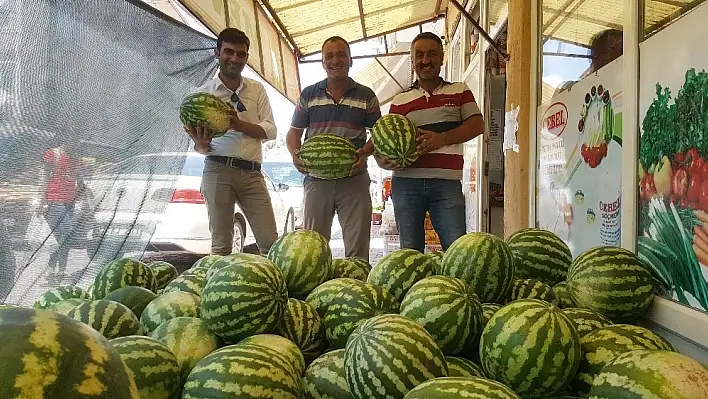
{"points": [[484, 33]]}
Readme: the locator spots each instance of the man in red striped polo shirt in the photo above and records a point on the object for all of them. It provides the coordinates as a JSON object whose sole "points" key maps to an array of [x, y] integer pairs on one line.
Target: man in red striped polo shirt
{"points": [[447, 116]]}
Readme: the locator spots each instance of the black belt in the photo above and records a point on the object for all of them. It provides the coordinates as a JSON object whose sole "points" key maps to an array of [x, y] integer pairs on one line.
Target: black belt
{"points": [[236, 163]]}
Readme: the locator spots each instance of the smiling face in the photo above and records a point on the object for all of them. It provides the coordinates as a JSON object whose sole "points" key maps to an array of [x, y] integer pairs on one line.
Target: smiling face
{"points": [[427, 59], [232, 58], [336, 59]]}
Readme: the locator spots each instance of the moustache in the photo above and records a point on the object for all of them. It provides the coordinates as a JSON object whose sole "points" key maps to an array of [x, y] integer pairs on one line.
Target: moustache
{"points": [[421, 66]]}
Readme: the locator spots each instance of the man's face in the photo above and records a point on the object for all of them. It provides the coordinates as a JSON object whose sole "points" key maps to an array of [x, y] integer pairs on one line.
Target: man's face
{"points": [[427, 59], [232, 58], [335, 59]]}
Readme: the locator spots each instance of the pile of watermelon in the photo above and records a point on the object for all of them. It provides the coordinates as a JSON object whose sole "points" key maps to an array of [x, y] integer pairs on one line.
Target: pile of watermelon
{"points": [[487, 318]]}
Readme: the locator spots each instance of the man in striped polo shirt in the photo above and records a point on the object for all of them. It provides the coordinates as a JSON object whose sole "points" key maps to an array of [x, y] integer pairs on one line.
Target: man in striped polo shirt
{"points": [[337, 105], [447, 116]]}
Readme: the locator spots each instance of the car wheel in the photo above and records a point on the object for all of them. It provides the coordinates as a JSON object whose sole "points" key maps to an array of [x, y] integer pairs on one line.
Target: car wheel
{"points": [[239, 237], [289, 222]]}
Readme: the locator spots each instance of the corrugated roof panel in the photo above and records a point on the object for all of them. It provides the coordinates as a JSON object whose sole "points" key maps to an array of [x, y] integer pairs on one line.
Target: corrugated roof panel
{"points": [[314, 16], [312, 41], [404, 15]]}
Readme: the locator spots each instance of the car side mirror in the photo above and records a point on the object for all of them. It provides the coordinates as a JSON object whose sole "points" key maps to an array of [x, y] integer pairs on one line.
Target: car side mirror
{"points": [[283, 187]]}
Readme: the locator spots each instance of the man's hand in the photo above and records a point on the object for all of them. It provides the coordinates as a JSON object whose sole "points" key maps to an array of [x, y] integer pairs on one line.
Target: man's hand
{"points": [[429, 141], [201, 134], [385, 163], [361, 157], [298, 162], [235, 120]]}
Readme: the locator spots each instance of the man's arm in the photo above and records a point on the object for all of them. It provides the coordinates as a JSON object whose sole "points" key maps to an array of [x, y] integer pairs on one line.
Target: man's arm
{"points": [[469, 129], [293, 140], [263, 130]]}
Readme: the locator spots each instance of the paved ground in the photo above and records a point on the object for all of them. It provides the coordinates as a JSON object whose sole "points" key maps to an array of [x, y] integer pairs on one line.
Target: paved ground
{"points": [[337, 244]]}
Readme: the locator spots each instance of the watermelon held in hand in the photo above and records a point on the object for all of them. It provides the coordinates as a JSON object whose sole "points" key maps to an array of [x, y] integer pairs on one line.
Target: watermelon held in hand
{"points": [[207, 108], [394, 136], [327, 156]]}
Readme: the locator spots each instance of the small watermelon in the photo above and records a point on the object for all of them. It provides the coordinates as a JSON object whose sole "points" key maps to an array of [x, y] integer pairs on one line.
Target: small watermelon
{"points": [[110, 318], [530, 288], [122, 273], [323, 294], [461, 367], [135, 298], [168, 306], [399, 270], [302, 325], [154, 367], [564, 298], [305, 259], [58, 294], [164, 272], [586, 320], [350, 268], [539, 254], [284, 346], [394, 136], [324, 378], [459, 387]]}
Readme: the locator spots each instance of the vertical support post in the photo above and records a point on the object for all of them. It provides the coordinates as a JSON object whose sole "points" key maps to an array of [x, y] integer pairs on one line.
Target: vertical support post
{"points": [[516, 166], [536, 60], [630, 121]]}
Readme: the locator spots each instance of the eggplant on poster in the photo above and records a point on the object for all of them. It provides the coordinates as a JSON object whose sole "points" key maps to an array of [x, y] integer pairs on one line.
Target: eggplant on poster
{"points": [[673, 159], [579, 153]]}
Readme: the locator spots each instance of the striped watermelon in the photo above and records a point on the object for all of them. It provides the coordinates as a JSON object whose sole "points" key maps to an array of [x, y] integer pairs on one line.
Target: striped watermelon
{"points": [[350, 268], [461, 367], [135, 298], [205, 262], [58, 294], [612, 281], [459, 387], [604, 344], [436, 258], [153, 366], [564, 298], [164, 272], [399, 270], [243, 371], [483, 261], [207, 108], [168, 306], [530, 288], [324, 378], [530, 346], [471, 350], [353, 305], [244, 299], [302, 325], [48, 355], [656, 374], [539, 254], [67, 305], [586, 320], [284, 346], [110, 318], [188, 339], [394, 136], [447, 308], [323, 294], [122, 273], [191, 281], [388, 355], [230, 260], [327, 156], [305, 259]]}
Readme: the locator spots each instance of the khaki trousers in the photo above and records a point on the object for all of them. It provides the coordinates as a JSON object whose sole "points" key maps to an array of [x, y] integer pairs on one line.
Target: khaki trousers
{"points": [[350, 199], [223, 187]]}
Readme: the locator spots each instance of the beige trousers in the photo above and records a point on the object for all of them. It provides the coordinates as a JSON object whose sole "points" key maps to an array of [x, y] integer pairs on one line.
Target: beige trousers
{"points": [[223, 187], [350, 198]]}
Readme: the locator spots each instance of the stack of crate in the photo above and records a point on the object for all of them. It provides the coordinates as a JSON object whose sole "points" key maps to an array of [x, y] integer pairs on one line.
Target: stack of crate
{"points": [[432, 241]]}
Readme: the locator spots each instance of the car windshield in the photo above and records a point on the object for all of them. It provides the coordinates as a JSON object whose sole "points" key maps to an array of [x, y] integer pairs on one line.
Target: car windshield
{"points": [[283, 172]]}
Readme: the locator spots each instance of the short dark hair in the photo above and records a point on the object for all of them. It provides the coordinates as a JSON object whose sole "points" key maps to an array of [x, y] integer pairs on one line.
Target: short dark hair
{"points": [[605, 38], [234, 36], [338, 38], [430, 36]]}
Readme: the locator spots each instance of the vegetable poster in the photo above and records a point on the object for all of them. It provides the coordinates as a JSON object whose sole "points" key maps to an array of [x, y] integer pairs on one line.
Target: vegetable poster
{"points": [[579, 152], [673, 159]]}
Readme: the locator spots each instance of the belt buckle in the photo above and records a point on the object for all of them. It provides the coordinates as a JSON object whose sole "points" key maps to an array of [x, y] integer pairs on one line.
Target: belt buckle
{"points": [[230, 161]]}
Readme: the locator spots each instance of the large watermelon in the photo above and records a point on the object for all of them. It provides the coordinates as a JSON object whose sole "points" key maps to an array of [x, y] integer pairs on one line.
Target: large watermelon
{"points": [[483, 261], [447, 308], [539, 254], [207, 108], [228, 260], [110, 318], [58, 294], [284, 346], [192, 281], [394, 136], [604, 344], [612, 281], [324, 378], [135, 298], [168, 306], [322, 296], [154, 367], [121, 273], [244, 299], [244, 371], [48, 355], [305, 259], [399, 270], [530, 346], [655, 374], [388, 355], [302, 325], [327, 156], [353, 305], [188, 339], [586, 320], [460, 387]]}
